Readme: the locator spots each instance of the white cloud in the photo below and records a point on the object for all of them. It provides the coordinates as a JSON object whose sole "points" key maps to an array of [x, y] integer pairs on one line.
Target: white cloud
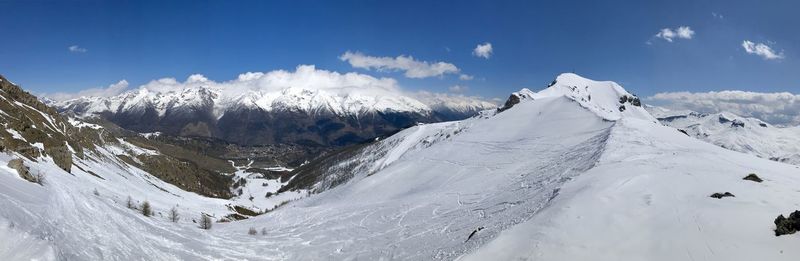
{"points": [[412, 67], [458, 88], [683, 32], [76, 49], [304, 77], [111, 90], [717, 15], [780, 108], [762, 50], [483, 50], [465, 77]]}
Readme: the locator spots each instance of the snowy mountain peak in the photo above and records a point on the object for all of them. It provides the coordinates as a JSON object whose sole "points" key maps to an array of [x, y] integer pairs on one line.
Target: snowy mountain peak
{"points": [[607, 99]]}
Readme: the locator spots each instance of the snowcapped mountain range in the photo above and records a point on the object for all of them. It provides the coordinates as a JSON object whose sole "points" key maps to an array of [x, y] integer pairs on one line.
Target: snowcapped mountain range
{"points": [[289, 99], [577, 171], [325, 116], [743, 134]]}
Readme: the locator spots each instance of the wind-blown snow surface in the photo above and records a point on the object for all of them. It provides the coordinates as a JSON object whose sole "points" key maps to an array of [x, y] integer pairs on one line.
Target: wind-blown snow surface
{"points": [[553, 178], [648, 199]]}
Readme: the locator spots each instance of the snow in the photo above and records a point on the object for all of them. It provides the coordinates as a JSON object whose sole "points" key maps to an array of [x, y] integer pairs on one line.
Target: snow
{"points": [[21, 245], [81, 124], [255, 187], [648, 199], [748, 135], [126, 148], [558, 176], [457, 103], [339, 102], [343, 100], [15, 134], [150, 135], [50, 122], [602, 97]]}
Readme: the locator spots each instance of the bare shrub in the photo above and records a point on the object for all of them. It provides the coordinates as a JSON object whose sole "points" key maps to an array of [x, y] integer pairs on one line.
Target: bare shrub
{"points": [[129, 203]]}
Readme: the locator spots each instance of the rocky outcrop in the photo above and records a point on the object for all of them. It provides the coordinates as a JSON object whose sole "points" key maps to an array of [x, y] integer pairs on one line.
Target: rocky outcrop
{"points": [[753, 177], [787, 226], [33, 129], [720, 195], [22, 170]]}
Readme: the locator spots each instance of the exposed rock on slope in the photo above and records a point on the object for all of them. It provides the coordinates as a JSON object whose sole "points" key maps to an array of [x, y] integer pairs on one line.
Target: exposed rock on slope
{"points": [[33, 129], [38, 133]]}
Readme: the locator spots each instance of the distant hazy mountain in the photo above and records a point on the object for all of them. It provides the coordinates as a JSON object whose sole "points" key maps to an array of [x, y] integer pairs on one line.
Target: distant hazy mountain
{"points": [[743, 134]]}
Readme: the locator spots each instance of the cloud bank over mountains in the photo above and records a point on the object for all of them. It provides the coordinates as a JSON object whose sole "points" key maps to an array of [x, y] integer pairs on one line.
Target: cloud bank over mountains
{"points": [[780, 108], [306, 77]]}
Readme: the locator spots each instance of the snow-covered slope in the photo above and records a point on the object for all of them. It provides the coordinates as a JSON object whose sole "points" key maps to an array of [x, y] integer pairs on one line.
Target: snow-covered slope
{"points": [[748, 135], [648, 199], [557, 176]]}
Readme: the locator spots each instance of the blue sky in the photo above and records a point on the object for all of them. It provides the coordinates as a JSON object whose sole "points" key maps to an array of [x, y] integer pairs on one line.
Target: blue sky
{"points": [[532, 41]]}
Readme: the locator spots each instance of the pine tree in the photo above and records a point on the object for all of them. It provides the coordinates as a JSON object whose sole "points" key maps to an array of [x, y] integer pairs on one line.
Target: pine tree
{"points": [[173, 214], [205, 221], [146, 211], [129, 203]]}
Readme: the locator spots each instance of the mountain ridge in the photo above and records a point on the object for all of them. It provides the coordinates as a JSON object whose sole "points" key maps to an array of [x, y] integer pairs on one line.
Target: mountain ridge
{"points": [[728, 130], [320, 116]]}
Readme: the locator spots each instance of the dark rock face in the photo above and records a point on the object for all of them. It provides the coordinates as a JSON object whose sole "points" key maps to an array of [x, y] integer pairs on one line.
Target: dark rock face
{"points": [[753, 177], [512, 100], [787, 226], [633, 100], [722, 195]]}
